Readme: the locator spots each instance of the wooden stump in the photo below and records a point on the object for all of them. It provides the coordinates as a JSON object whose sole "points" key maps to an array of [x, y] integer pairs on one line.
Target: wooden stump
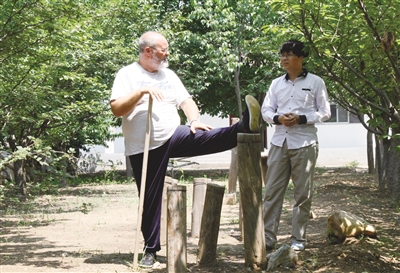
{"points": [[250, 186], [168, 181], [177, 245], [199, 195], [207, 251], [240, 220]]}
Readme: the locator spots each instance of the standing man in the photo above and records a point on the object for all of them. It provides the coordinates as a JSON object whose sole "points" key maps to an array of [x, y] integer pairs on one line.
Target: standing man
{"points": [[150, 77], [294, 103]]}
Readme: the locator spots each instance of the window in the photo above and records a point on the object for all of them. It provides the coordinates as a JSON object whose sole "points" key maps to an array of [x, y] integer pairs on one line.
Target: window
{"points": [[339, 114]]}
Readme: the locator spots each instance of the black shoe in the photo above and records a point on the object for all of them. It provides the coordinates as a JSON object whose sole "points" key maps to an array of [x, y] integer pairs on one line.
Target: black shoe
{"points": [[267, 247], [251, 116], [148, 260]]}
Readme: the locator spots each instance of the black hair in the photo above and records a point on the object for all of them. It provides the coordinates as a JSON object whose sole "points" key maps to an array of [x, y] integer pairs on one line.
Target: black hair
{"points": [[295, 46]]}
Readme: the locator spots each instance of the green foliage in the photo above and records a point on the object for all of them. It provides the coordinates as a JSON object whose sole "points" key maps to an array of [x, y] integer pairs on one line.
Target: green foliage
{"points": [[353, 165], [61, 58], [53, 89], [86, 207], [223, 54], [186, 180], [51, 185], [100, 178], [354, 46], [11, 199], [9, 196]]}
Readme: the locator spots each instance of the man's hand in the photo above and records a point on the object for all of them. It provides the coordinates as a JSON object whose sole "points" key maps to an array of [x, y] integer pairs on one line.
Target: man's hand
{"points": [[154, 92], [125, 104], [289, 119], [195, 124]]}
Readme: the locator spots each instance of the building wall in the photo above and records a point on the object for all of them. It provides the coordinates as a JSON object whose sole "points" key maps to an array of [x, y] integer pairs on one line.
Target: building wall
{"points": [[341, 144]]}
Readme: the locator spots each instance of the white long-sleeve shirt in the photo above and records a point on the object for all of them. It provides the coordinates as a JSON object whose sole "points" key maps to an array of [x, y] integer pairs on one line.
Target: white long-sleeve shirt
{"points": [[306, 95]]}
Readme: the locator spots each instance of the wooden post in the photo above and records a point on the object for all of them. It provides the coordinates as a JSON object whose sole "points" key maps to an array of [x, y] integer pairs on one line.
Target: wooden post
{"points": [[210, 221], [233, 175], [250, 186], [168, 181], [241, 237], [177, 245], [199, 195]]}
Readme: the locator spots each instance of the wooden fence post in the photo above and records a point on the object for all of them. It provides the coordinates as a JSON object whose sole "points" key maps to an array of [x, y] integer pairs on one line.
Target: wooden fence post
{"points": [[168, 181], [250, 186], [199, 195], [207, 251], [177, 244]]}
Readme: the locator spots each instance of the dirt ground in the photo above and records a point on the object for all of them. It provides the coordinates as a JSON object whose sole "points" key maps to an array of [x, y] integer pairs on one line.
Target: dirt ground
{"points": [[92, 229]]}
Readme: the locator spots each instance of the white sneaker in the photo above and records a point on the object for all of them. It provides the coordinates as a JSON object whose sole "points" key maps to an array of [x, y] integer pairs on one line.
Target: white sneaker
{"points": [[297, 246]]}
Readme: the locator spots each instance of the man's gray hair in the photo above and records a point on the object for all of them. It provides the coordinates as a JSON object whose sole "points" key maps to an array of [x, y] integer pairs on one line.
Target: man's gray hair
{"points": [[147, 39]]}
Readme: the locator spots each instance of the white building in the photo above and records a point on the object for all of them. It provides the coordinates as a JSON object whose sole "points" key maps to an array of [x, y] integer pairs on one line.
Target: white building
{"points": [[342, 142]]}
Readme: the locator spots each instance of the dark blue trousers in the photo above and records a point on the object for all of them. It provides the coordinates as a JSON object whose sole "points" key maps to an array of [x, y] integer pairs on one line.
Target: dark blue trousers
{"points": [[183, 143]]}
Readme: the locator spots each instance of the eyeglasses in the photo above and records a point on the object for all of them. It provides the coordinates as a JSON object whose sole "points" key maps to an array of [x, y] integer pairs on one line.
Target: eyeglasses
{"points": [[288, 56], [165, 50]]}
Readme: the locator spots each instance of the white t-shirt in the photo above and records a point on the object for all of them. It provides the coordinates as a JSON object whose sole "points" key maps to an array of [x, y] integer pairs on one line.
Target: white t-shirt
{"points": [[165, 117]]}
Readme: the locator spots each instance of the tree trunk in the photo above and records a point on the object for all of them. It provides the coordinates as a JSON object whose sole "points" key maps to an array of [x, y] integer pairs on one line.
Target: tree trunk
{"points": [[388, 165], [393, 163], [20, 175], [383, 182], [378, 160], [232, 183], [370, 153], [237, 90], [232, 178]]}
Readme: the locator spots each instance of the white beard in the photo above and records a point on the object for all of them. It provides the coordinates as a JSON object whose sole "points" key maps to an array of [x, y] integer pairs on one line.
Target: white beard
{"points": [[157, 63], [163, 64]]}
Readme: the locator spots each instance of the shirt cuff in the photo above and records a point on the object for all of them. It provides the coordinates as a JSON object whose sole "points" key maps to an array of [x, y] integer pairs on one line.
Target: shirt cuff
{"points": [[276, 121], [303, 119]]}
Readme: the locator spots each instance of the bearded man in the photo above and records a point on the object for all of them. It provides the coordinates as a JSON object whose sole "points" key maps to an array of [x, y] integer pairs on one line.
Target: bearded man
{"points": [[133, 86]]}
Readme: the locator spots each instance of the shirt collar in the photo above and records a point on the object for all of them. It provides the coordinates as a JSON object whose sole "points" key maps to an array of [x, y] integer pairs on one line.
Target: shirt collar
{"points": [[302, 74]]}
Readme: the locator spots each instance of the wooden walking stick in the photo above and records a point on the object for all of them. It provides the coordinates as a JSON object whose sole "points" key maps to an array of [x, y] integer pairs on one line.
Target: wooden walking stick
{"points": [[143, 182]]}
